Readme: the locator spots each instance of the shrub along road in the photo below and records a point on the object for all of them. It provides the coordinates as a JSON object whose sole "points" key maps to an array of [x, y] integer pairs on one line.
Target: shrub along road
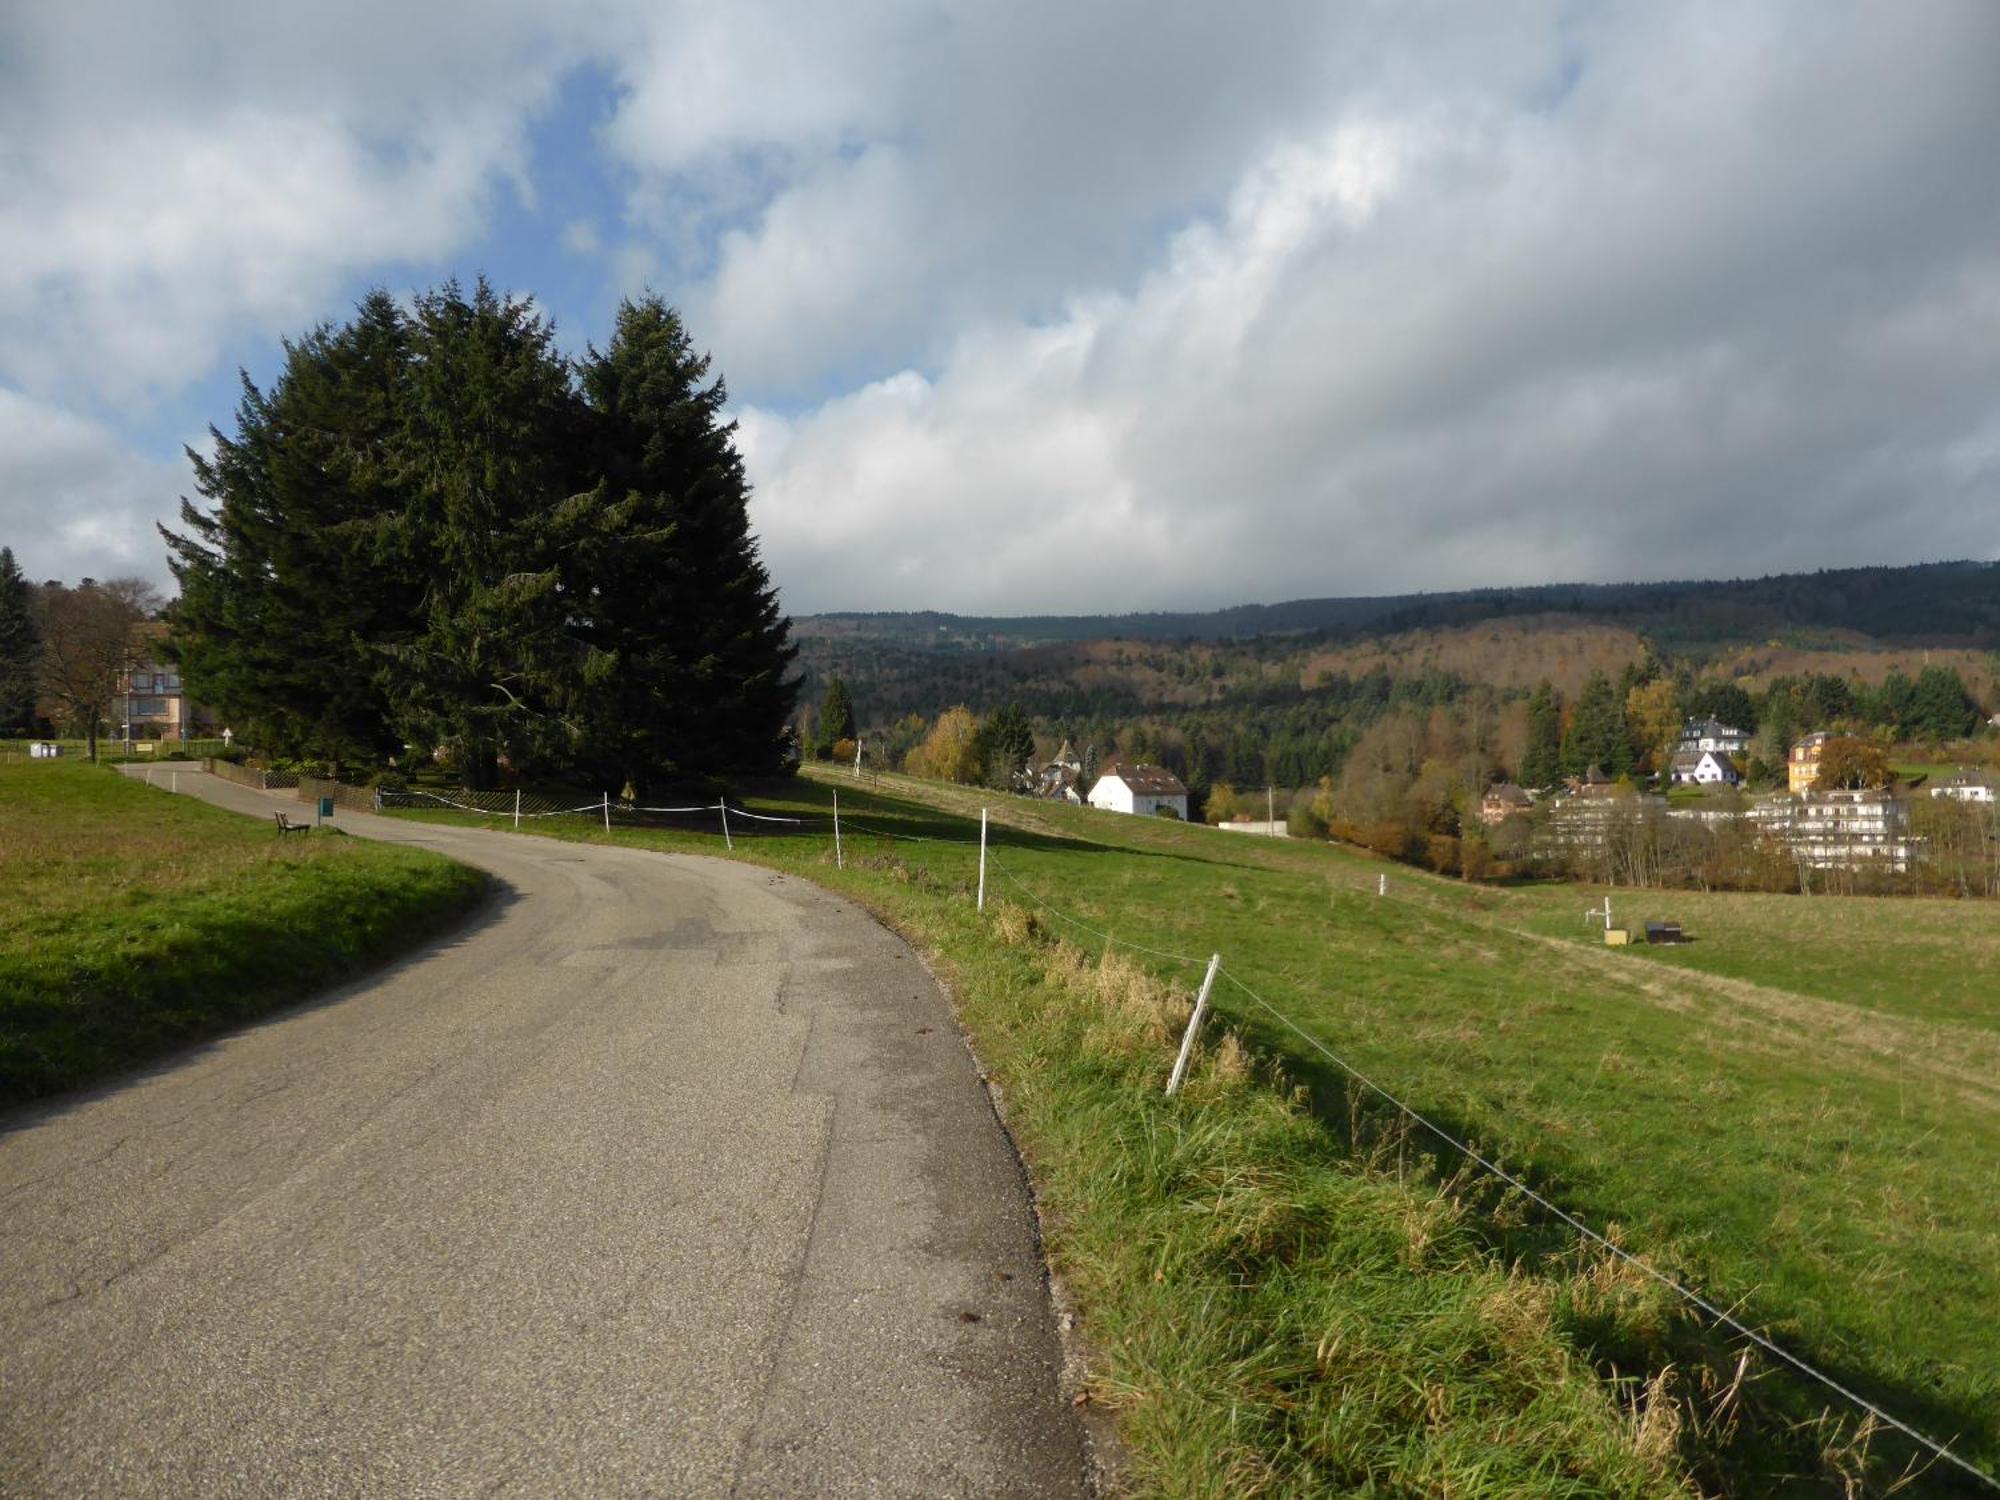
{"points": [[666, 1176]]}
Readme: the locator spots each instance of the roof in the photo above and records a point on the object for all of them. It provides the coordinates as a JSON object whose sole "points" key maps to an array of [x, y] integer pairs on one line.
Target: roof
{"points": [[1711, 729], [1508, 792], [1687, 760], [1968, 776], [1147, 781]]}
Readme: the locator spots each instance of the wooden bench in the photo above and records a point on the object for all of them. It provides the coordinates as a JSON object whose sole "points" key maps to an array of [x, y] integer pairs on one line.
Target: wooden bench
{"points": [[286, 825]]}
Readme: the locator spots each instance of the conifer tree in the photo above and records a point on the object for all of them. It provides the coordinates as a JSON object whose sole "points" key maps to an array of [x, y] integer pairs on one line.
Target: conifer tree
{"points": [[1597, 731], [1541, 762], [435, 529], [489, 429], [20, 646], [1005, 745], [689, 653], [1940, 707], [287, 593], [836, 718]]}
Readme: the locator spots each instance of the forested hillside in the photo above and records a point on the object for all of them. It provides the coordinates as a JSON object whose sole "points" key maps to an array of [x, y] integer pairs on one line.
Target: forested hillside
{"points": [[1403, 710], [1945, 603]]}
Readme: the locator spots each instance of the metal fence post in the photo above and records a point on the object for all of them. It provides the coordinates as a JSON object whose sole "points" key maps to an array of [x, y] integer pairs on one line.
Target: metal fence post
{"points": [[517, 809], [727, 842], [1194, 1023], [981, 904], [607, 812], [839, 859]]}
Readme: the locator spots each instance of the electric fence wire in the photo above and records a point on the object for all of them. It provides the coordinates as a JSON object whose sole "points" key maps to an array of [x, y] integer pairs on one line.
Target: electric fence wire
{"points": [[1728, 1320], [1107, 938], [847, 824], [496, 812]]}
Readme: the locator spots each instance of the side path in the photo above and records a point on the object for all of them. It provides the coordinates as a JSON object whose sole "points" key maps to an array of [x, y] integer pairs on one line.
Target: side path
{"points": [[667, 1176]]}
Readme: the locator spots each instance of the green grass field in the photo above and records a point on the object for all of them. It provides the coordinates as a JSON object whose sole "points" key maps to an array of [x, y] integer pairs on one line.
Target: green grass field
{"points": [[1799, 1112], [133, 922]]}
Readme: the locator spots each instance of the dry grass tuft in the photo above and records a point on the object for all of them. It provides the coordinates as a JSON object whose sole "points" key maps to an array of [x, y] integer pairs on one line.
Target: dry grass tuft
{"points": [[1015, 924], [1657, 1433], [1129, 990]]}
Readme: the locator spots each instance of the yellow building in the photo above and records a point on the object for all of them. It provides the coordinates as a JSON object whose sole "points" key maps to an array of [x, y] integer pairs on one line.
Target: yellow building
{"points": [[151, 704], [1802, 770]]}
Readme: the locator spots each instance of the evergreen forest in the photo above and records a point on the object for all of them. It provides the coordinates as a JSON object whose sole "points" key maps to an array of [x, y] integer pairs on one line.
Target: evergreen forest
{"points": [[435, 539]]}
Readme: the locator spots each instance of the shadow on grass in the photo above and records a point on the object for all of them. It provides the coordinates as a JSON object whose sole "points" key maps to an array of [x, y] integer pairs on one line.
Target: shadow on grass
{"points": [[183, 1045]]}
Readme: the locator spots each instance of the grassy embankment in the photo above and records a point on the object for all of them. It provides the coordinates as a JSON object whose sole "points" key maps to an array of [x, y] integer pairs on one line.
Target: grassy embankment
{"points": [[1799, 1112], [133, 922]]}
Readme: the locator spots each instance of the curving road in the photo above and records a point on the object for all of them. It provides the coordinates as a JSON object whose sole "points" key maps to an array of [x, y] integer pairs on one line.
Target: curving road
{"points": [[665, 1176]]}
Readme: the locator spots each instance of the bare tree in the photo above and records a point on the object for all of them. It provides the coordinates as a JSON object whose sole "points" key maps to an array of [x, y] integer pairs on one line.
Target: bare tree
{"points": [[89, 637]]}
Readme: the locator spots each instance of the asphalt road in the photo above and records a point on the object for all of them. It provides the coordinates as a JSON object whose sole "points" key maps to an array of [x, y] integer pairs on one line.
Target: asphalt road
{"points": [[666, 1176]]}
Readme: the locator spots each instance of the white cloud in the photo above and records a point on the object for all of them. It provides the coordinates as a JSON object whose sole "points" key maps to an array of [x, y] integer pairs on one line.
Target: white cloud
{"points": [[171, 179], [80, 504], [1118, 305], [1720, 320]]}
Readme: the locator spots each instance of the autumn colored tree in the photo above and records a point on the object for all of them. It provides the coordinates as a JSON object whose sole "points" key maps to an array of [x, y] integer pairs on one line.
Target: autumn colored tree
{"points": [[1653, 717], [950, 752], [1849, 764], [87, 641]]}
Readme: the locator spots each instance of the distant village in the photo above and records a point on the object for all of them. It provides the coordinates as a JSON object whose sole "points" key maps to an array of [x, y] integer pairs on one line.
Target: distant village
{"points": [[1818, 823]]}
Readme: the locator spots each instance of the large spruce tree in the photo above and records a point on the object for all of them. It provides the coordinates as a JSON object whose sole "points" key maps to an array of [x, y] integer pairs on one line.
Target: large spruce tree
{"points": [[690, 652], [1598, 738], [435, 530], [289, 591], [20, 646], [1541, 761]]}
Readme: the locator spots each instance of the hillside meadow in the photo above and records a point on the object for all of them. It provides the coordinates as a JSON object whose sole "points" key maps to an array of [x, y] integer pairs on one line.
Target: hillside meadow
{"points": [[133, 921], [1798, 1113]]}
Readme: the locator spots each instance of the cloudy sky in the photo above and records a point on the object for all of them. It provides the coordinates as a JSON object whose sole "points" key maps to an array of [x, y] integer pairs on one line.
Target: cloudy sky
{"points": [[1072, 307]]}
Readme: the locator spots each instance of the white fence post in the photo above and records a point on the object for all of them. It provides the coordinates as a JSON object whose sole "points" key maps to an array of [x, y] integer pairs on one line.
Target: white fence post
{"points": [[981, 904], [517, 809], [607, 812], [1194, 1023], [839, 859], [727, 842], [1382, 885]]}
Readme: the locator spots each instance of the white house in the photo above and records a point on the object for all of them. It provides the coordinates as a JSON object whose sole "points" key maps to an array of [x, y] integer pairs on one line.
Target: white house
{"points": [[1703, 768], [1146, 790], [1965, 786]]}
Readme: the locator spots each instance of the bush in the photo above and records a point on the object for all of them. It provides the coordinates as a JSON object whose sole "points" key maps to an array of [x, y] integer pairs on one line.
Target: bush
{"points": [[1302, 819], [1441, 853]]}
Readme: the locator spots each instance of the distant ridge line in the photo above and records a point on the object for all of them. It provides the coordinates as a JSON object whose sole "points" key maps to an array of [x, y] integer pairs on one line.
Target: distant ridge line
{"points": [[1957, 599]]}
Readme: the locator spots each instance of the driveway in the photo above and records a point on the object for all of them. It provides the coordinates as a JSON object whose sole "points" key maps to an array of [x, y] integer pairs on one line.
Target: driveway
{"points": [[663, 1176]]}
